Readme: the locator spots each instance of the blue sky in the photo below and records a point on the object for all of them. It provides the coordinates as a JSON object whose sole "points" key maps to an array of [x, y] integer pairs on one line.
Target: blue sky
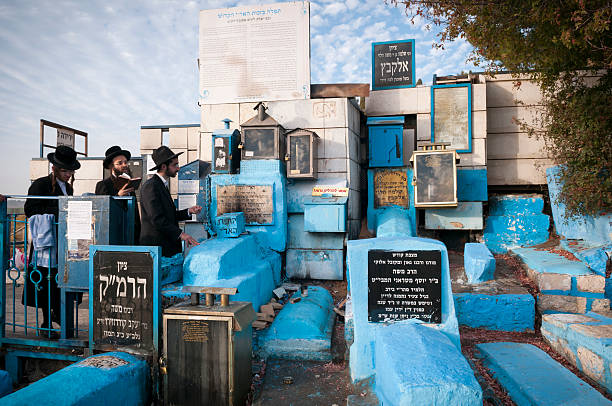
{"points": [[108, 67]]}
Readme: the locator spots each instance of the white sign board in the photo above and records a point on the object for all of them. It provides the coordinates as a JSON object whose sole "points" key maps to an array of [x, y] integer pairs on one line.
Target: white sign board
{"points": [[65, 137], [255, 53]]}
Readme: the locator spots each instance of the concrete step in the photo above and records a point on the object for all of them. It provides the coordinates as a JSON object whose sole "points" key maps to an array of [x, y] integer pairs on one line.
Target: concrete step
{"points": [[584, 340], [532, 377]]}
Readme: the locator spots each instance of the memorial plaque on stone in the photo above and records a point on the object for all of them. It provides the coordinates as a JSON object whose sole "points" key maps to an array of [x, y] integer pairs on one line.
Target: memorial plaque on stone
{"points": [[404, 285], [255, 201], [390, 188], [393, 64], [123, 301], [451, 116]]}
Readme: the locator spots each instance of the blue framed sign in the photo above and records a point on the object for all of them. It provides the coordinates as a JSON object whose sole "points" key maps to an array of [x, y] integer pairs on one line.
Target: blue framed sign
{"points": [[393, 64], [451, 116], [124, 298]]}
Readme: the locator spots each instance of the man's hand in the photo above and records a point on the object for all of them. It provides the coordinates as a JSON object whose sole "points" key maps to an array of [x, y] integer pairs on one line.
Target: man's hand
{"points": [[125, 190], [188, 239], [194, 210]]}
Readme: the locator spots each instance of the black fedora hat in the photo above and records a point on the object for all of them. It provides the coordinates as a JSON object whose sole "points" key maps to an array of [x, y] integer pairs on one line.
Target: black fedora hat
{"points": [[64, 157], [162, 155], [113, 152]]}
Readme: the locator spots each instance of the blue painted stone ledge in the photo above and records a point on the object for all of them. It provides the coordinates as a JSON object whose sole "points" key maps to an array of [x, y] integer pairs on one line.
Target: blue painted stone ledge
{"points": [[506, 312], [478, 262]]}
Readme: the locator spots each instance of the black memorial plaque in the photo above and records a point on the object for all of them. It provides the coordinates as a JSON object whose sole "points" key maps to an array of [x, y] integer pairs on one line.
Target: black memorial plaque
{"points": [[123, 300], [393, 64], [404, 285]]}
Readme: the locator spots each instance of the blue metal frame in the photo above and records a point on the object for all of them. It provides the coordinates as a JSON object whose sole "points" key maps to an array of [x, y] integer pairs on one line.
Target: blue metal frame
{"points": [[155, 253], [469, 87], [413, 65]]}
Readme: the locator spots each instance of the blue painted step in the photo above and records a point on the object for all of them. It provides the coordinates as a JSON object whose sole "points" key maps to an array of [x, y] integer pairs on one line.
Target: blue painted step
{"points": [[532, 377]]}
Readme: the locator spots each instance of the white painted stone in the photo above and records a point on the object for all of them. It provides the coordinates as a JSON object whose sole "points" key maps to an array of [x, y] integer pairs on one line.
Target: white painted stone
{"points": [[150, 138], [311, 113], [517, 171], [353, 146], [479, 124], [173, 185], [337, 165], [601, 306], [84, 186], [91, 169], [192, 155], [478, 156], [177, 138], [554, 281], [515, 145], [392, 102], [592, 364], [424, 127], [424, 99], [354, 205], [559, 345], [504, 93], [563, 320], [504, 119], [354, 175], [246, 112], [193, 138], [206, 147], [334, 143], [39, 168], [183, 157], [591, 283], [213, 114], [479, 97]]}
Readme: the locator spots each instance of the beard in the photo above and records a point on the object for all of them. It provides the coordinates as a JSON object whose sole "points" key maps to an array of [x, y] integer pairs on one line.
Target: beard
{"points": [[118, 172]]}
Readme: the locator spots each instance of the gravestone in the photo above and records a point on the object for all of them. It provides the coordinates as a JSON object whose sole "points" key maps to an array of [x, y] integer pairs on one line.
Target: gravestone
{"points": [[404, 285], [255, 201], [124, 298], [392, 64], [390, 188]]}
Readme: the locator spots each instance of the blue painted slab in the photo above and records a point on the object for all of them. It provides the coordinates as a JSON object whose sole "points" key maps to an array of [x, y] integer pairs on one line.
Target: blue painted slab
{"points": [[597, 230], [114, 378], [6, 385], [171, 269], [325, 214], [510, 312], [594, 257], [513, 230], [515, 205], [374, 214], [362, 361], [466, 216], [419, 366], [302, 330], [472, 185], [298, 189], [478, 262], [548, 262], [298, 238], [532, 377], [315, 264]]}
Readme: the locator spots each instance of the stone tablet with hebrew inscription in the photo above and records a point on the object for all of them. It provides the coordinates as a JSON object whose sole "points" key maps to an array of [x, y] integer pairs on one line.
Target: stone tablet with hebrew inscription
{"points": [[404, 285], [255, 201], [123, 300], [390, 188]]}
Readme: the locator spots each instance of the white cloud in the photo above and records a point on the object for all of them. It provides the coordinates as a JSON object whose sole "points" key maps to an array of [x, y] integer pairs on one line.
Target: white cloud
{"points": [[334, 8]]}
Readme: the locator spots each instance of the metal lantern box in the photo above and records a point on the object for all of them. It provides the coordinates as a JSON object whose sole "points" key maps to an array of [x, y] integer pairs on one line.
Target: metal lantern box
{"points": [[385, 136], [225, 152], [435, 177], [262, 137], [302, 153], [207, 350], [323, 214]]}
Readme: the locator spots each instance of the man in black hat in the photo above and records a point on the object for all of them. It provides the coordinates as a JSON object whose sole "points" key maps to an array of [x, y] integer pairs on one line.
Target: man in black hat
{"points": [[57, 183], [159, 215], [117, 160]]}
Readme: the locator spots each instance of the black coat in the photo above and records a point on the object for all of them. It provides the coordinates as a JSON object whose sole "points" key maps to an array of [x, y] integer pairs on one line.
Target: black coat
{"points": [[43, 187], [160, 217], [107, 188]]}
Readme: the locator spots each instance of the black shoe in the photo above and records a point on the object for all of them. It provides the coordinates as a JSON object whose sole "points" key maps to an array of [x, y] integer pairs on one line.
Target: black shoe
{"points": [[53, 335]]}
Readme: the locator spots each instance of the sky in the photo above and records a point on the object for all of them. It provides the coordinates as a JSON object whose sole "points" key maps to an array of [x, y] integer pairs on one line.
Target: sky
{"points": [[109, 67]]}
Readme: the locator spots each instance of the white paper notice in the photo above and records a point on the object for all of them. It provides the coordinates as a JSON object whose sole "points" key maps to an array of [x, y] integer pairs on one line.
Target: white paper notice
{"points": [[79, 220], [188, 186], [254, 53], [187, 201]]}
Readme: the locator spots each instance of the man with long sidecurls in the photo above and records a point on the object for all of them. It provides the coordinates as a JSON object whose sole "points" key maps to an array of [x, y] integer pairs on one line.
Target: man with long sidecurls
{"points": [[57, 183]]}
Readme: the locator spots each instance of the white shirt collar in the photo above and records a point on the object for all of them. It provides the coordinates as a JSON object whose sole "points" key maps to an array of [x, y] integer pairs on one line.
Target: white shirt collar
{"points": [[62, 186], [163, 180]]}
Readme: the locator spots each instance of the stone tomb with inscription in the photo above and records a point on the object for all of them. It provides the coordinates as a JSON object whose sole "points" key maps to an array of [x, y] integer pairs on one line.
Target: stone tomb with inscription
{"points": [[124, 292], [390, 188]]}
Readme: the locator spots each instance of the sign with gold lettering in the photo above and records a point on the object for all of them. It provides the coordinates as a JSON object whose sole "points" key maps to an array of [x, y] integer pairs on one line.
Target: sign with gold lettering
{"points": [[255, 201], [390, 188]]}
